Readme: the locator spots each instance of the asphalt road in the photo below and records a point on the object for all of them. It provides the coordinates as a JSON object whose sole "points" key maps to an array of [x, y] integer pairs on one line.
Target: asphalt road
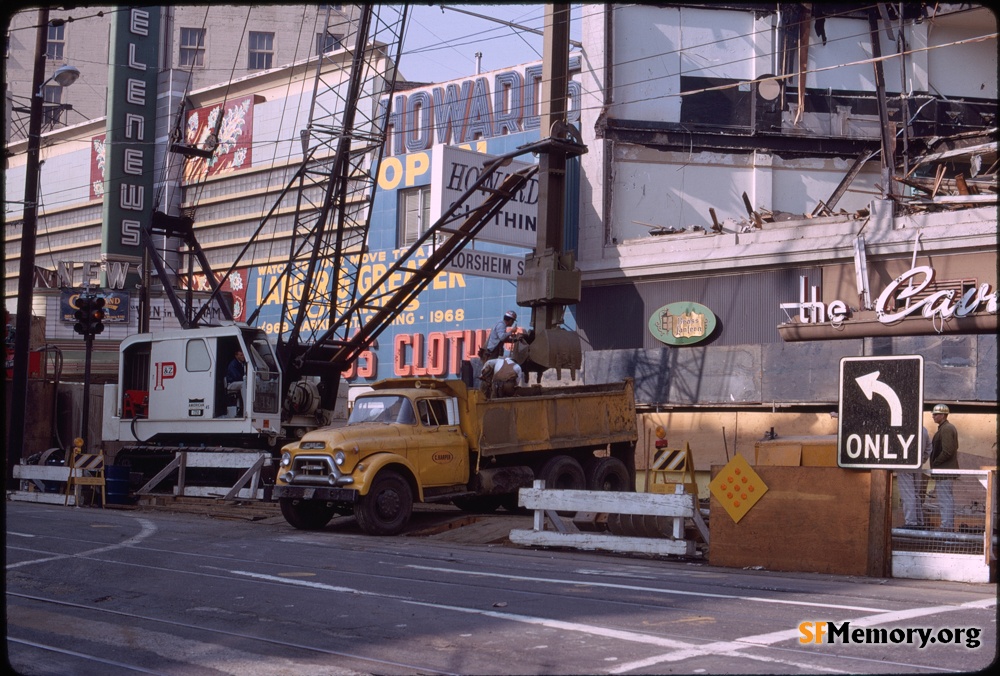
{"points": [[107, 592]]}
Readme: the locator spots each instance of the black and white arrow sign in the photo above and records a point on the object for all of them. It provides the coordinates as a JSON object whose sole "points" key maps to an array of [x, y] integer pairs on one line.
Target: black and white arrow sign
{"points": [[881, 403]]}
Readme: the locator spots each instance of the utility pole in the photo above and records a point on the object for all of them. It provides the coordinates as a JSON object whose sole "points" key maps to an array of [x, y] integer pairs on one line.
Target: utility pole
{"points": [[551, 280], [26, 272]]}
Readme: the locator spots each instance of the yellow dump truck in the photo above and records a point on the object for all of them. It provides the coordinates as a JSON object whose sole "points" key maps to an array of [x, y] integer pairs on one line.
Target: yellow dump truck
{"points": [[421, 440]]}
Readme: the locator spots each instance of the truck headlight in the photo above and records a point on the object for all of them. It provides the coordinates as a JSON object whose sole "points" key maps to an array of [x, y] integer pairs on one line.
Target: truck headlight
{"points": [[339, 458], [286, 459]]}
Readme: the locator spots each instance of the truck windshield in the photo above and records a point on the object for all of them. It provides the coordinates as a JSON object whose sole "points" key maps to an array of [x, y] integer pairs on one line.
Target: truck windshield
{"points": [[382, 409]]}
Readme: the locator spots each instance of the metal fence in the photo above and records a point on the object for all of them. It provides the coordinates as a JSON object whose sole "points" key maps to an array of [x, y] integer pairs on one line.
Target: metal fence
{"points": [[955, 511]]}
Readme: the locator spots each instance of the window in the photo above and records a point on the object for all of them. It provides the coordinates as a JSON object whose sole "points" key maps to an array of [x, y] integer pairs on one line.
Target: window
{"points": [[433, 412], [52, 95], [414, 213], [328, 42], [197, 356], [192, 47], [56, 43], [261, 51]]}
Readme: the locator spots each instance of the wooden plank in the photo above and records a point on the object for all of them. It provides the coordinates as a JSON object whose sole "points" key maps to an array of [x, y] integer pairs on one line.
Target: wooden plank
{"points": [[812, 519], [224, 460], [603, 542], [161, 475], [220, 492], [252, 473], [46, 498], [880, 524], [656, 504], [42, 472], [778, 456]]}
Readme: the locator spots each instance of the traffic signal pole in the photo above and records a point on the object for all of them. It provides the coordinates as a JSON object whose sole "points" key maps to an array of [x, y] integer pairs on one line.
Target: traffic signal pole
{"points": [[89, 322], [85, 424]]}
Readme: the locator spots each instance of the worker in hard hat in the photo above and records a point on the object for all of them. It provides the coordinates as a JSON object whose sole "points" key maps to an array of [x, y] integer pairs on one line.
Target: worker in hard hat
{"points": [[500, 377], [944, 455], [912, 485], [503, 332]]}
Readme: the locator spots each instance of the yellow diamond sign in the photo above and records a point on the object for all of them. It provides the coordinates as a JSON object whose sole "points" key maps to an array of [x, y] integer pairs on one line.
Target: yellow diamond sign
{"points": [[737, 487]]}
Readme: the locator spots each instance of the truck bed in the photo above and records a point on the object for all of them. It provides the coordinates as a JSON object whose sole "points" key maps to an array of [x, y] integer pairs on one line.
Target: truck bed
{"points": [[539, 418]]}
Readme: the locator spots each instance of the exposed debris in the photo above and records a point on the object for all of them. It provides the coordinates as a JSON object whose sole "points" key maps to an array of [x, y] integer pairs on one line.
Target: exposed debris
{"points": [[953, 172], [661, 229]]}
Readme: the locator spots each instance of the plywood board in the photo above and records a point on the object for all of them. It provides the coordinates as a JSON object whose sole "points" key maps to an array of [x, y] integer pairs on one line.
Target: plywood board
{"points": [[789, 455], [812, 519]]}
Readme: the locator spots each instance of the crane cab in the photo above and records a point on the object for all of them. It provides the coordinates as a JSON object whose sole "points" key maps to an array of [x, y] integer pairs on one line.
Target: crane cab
{"points": [[172, 389]]}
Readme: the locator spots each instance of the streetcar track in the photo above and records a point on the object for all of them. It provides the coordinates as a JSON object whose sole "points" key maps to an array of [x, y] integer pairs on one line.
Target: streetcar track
{"points": [[82, 656], [231, 560], [410, 580], [678, 646], [283, 644], [681, 643], [449, 558]]}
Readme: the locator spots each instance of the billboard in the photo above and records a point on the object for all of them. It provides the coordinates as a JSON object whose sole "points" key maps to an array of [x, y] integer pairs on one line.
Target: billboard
{"points": [[455, 170]]}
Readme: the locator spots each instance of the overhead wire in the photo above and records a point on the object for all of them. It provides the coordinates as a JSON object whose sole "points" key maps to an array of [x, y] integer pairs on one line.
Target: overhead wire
{"points": [[272, 174], [813, 70], [276, 158]]}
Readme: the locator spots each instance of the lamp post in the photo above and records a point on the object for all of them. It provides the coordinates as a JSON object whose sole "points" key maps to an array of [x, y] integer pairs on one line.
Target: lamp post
{"points": [[64, 76]]}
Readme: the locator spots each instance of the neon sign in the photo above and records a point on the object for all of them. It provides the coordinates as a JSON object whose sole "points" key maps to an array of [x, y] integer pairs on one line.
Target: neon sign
{"points": [[894, 303]]}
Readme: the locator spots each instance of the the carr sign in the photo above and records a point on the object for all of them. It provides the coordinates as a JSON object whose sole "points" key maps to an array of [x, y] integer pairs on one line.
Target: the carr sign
{"points": [[881, 412]]}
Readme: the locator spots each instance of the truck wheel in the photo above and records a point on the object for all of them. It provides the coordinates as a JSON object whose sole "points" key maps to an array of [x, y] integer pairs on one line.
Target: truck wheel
{"points": [[607, 474], [480, 504], [386, 508], [509, 503], [306, 514], [564, 473]]}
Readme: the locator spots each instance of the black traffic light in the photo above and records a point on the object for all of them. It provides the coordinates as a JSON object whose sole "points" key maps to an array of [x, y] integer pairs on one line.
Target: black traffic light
{"points": [[97, 315], [89, 315]]}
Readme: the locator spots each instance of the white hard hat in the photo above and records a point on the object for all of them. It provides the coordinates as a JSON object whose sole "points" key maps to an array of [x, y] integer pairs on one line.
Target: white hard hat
{"points": [[510, 314]]}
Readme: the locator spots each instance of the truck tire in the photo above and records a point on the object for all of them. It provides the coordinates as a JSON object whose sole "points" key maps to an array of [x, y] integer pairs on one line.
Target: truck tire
{"points": [[607, 474], [306, 514], [509, 503], [479, 504], [564, 473], [386, 509]]}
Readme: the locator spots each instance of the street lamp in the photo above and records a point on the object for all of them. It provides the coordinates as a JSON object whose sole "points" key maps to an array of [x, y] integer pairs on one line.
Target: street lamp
{"points": [[64, 76]]}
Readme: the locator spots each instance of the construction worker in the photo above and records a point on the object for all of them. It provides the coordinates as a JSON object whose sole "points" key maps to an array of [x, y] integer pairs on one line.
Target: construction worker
{"points": [[503, 332], [500, 377], [944, 455]]}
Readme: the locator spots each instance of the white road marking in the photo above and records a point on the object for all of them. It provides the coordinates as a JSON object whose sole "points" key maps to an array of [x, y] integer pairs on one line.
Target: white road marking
{"points": [[656, 590], [729, 648], [682, 650], [147, 529]]}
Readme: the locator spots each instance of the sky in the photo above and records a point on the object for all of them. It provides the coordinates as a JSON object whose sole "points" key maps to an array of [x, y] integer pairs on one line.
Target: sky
{"points": [[440, 45]]}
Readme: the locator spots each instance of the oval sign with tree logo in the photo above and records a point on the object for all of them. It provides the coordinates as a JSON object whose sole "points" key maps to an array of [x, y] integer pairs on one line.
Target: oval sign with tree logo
{"points": [[682, 323]]}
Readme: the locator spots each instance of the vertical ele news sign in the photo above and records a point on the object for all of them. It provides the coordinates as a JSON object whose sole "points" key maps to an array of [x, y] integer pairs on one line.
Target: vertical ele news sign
{"points": [[128, 194]]}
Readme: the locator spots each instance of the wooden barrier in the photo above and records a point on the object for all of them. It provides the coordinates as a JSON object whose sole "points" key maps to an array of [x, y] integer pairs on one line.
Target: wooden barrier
{"points": [[85, 469], [548, 503], [254, 462], [33, 477]]}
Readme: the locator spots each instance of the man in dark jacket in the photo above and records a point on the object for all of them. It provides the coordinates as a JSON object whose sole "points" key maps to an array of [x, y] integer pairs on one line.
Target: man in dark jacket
{"points": [[503, 332], [236, 380], [944, 455]]}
